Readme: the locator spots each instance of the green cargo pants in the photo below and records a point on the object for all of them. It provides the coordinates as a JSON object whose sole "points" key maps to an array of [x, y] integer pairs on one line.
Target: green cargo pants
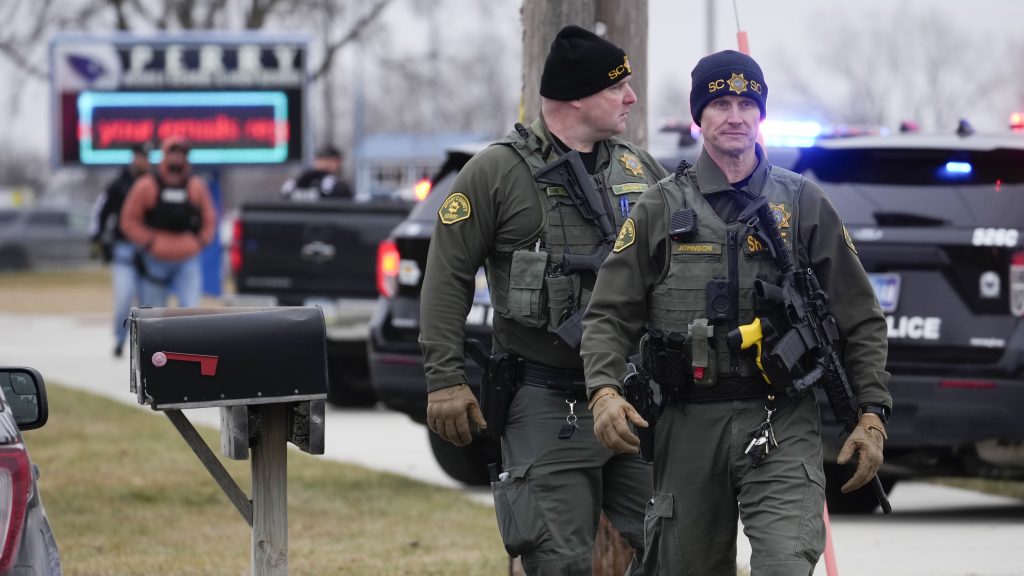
{"points": [[703, 481], [549, 505]]}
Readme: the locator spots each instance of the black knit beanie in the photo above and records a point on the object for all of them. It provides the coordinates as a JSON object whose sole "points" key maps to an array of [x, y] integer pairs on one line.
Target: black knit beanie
{"points": [[726, 73], [581, 63]]}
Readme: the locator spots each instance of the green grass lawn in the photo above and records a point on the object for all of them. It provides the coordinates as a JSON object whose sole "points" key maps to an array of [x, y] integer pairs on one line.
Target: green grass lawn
{"points": [[126, 495]]}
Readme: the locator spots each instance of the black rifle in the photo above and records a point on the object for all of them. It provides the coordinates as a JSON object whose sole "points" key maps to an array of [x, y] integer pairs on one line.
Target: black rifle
{"points": [[637, 388], [808, 335], [497, 386], [569, 173]]}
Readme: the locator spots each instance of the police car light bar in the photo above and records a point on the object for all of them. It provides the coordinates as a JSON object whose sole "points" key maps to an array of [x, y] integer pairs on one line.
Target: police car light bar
{"points": [[954, 169], [793, 134]]}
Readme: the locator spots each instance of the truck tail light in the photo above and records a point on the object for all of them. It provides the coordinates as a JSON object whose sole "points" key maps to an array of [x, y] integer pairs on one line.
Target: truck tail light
{"points": [[422, 189], [1017, 284], [235, 255], [387, 268], [15, 487]]}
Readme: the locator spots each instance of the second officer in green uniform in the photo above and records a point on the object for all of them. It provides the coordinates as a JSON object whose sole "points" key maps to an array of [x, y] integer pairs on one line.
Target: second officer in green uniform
{"points": [[683, 270], [555, 480]]}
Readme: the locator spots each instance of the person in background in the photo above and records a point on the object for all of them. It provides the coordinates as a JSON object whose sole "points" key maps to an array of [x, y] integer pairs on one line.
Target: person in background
{"points": [[110, 242], [321, 182], [170, 217]]}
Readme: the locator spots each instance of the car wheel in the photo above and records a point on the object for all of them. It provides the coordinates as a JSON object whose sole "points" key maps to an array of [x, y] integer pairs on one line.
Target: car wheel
{"points": [[862, 501], [467, 464], [13, 258]]}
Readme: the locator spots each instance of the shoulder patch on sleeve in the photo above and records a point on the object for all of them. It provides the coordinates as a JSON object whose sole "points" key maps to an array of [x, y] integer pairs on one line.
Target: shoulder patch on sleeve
{"points": [[849, 241], [627, 235], [455, 209]]}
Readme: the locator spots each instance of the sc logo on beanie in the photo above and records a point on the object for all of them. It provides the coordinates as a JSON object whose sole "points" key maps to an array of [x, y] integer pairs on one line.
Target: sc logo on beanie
{"points": [[724, 73], [621, 69]]}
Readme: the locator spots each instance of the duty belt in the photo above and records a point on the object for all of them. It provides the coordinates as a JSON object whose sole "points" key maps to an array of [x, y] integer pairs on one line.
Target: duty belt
{"points": [[726, 388], [671, 367], [563, 379]]}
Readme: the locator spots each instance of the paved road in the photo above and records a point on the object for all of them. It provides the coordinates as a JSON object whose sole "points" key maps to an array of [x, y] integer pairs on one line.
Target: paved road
{"points": [[934, 531]]}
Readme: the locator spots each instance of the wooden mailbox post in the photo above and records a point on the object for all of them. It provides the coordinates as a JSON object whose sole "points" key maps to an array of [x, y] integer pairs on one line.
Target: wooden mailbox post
{"points": [[267, 371]]}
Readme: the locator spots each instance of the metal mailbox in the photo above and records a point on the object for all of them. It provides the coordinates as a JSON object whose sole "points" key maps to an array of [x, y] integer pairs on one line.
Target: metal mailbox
{"points": [[194, 357]]}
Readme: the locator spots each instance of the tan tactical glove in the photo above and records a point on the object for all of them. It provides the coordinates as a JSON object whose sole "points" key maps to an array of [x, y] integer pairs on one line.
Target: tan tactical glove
{"points": [[610, 414], [449, 411], [866, 440]]}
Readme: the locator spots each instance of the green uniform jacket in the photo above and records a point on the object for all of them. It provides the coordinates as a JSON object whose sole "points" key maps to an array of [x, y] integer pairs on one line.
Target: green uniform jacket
{"points": [[618, 307], [505, 214]]}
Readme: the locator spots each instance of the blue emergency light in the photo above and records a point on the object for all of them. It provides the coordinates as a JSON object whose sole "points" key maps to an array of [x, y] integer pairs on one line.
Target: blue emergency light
{"points": [[790, 134], [956, 169]]}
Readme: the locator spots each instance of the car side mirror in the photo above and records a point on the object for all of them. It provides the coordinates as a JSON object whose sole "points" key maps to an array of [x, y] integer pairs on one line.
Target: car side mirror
{"points": [[25, 396]]}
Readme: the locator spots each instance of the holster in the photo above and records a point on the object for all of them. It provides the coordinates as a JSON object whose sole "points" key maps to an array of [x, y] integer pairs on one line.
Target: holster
{"points": [[497, 385], [637, 389]]}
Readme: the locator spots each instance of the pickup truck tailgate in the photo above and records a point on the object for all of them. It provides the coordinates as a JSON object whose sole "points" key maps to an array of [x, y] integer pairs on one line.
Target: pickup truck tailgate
{"points": [[300, 250]]}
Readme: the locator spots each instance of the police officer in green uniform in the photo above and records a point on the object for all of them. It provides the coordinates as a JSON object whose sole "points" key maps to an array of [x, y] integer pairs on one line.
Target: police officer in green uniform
{"points": [[556, 477], [661, 282]]}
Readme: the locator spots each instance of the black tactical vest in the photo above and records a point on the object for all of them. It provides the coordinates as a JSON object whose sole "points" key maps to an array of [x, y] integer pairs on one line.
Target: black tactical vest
{"points": [[718, 251], [526, 283], [172, 211]]}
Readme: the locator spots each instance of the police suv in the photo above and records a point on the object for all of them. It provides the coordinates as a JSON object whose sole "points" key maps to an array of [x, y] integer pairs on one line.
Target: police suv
{"points": [[936, 220]]}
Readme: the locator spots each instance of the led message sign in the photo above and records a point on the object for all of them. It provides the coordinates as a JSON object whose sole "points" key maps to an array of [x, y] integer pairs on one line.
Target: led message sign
{"points": [[237, 99]]}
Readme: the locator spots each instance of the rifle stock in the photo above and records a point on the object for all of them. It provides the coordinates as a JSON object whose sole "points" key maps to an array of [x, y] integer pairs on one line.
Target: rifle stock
{"points": [[568, 172]]}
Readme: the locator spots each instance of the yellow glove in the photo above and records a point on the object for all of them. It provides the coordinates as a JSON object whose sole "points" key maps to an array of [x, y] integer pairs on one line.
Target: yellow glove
{"points": [[866, 440], [611, 412], [449, 411]]}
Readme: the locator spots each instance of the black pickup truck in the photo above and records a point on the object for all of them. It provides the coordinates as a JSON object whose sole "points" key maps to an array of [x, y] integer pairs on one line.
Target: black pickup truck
{"points": [[318, 254]]}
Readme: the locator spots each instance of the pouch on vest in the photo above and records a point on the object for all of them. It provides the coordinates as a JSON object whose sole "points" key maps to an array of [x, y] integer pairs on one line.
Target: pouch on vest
{"points": [[652, 356], [677, 358], [525, 287], [563, 299], [704, 365]]}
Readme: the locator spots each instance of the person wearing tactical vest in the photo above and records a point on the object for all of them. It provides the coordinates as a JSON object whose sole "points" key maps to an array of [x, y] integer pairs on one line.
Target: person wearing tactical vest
{"points": [[321, 182], [170, 216], [555, 478], [116, 249], [681, 277]]}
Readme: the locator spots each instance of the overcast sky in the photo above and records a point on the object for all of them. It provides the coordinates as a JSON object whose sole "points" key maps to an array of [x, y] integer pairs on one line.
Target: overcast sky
{"points": [[788, 38]]}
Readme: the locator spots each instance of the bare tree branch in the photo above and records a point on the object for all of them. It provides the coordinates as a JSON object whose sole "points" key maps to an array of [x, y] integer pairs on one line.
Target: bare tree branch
{"points": [[17, 49], [258, 13], [183, 11], [118, 6], [215, 8], [352, 34], [146, 15], [19, 60]]}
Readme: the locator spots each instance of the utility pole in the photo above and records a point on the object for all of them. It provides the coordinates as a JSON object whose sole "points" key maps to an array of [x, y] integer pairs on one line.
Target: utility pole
{"points": [[709, 24], [624, 23]]}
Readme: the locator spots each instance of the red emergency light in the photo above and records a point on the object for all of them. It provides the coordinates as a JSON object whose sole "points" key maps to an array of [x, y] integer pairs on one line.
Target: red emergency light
{"points": [[1017, 121]]}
